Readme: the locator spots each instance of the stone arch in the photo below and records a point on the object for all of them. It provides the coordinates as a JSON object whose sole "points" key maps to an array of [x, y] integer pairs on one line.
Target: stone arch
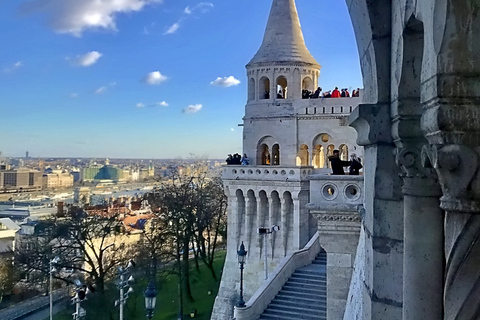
{"points": [[319, 150], [303, 156], [275, 219], [240, 199], [263, 150], [251, 89], [276, 154], [264, 88], [307, 87], [287, 221], [282, 87]]}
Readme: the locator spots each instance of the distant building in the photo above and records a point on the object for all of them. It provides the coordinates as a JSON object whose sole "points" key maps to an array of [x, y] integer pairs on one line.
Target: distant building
{"points": [[20, 180], [57, 180], [99, 172]]}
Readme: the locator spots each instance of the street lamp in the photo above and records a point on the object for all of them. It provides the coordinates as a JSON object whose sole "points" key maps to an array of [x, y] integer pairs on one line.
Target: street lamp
{"points": [[122, 284], [52, 270], [150, 299], [265, 232], [242, 253]]}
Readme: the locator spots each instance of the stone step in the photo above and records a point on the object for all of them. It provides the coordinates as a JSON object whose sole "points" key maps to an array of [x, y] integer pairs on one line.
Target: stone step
{"points": [[317, 285], [303, 291], [293, 315], [301, 299], [308, 278], [297, 309], [311, 304]]}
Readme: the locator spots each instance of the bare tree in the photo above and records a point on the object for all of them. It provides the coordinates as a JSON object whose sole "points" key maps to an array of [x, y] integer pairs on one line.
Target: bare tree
{"points": [[91, 246]]}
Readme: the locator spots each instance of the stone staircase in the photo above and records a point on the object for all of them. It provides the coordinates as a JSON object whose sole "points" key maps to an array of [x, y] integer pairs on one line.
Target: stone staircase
{"points": [[303, 296]]}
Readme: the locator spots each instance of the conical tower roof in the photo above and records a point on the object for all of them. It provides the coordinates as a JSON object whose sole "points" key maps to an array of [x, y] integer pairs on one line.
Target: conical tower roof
{"points": [[283, 40]]}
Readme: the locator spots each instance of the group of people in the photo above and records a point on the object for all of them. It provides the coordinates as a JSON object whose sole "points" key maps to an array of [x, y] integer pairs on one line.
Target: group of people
{"points": [[337, 164], [237, 159], [343, 93]]}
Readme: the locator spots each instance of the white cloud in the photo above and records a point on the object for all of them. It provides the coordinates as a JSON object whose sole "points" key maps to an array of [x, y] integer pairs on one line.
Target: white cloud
{"points": [[193, 108], [75, 17], [101, 90], [231, 129], [225, 81], [203, 7], [173, 28], [140, 105], [73, 95], [155, 77], [161, 104], [14, 66], [88, 59]]}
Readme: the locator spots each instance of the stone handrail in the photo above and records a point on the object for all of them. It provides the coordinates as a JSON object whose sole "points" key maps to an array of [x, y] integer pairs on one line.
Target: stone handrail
{"points": [[23, 308], [266, 172], [267, 292]]}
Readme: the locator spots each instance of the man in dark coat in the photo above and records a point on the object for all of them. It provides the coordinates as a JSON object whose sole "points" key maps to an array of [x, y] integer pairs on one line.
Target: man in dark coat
{"points": [[337, 163]]}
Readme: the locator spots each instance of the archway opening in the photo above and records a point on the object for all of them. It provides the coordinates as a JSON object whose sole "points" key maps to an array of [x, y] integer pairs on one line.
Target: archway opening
{"points": [[281, 87], [251, 89], [264, 88], [307, 88], [343, 148], [303, 156], [276, 155], [263, 155]]}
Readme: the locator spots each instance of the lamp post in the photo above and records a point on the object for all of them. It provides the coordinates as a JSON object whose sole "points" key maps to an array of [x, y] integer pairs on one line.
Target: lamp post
{"points": [[265, 232], [122, 284], [242, 253], [52, 270], [150, 299]]}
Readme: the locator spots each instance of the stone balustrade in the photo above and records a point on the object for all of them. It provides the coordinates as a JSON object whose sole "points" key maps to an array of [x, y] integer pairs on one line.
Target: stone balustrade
{"points": [[335, 193], [266, 173], [270, 288]]}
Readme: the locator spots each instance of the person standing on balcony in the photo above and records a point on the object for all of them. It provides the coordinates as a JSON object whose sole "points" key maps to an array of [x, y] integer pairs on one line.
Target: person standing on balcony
{"points": [[337, 163]]}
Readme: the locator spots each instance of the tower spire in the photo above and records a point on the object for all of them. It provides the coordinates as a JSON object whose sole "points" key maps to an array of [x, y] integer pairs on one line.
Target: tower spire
{"points": [[283, 40]]}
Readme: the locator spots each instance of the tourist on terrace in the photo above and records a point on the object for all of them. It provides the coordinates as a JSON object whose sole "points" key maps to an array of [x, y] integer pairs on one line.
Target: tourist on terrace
{"points": [[336, 93], [337, 163], [245, 160], [317, 93], [356, 165]]}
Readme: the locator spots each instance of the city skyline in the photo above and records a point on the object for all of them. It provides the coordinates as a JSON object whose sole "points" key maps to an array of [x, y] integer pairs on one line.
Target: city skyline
{"points": [[145, 79]]}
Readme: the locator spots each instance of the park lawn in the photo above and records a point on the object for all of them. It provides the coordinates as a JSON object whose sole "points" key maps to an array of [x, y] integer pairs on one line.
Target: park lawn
{"points": [[167, 303]]}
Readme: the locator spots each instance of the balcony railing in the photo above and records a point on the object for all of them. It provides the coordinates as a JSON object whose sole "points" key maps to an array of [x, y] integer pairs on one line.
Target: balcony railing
{"points": [[266, 173]]}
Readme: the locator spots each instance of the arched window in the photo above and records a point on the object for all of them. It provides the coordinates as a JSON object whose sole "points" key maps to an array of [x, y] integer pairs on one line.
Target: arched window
{"points": [[263, 155], [319, 155], [281, 87], [303, 156], [264, 88], [251, 89], [318, 160], [307, 88], [343, 152], [276, 155]]}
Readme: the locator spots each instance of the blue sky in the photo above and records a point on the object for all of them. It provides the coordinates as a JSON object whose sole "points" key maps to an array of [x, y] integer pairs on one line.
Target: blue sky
{"points": [[145, 78]]}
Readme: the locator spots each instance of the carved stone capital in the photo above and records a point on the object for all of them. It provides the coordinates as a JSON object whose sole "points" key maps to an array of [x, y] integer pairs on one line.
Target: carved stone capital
{"points": [[457, 169], [372, 123], [418, 180]]}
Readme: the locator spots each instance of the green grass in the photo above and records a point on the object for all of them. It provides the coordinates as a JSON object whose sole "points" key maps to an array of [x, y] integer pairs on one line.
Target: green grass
{"points": [[167, 303]]}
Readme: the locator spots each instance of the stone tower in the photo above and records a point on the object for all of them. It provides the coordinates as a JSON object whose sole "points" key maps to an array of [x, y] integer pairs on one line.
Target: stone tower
{"points": [[287, 138]]}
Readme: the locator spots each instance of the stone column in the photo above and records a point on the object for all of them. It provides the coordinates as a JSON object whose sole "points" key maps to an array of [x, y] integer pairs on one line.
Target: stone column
{"points": [[250, 211], [423, 239], [457, 168], [381, 291]]}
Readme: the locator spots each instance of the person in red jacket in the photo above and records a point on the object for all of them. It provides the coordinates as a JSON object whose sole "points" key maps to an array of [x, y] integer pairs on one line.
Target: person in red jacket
{"points": [[336, 93]]}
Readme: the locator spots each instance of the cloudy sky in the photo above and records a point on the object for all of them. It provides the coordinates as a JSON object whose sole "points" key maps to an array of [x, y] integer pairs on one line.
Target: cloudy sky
{"points": [[144, 78]]}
